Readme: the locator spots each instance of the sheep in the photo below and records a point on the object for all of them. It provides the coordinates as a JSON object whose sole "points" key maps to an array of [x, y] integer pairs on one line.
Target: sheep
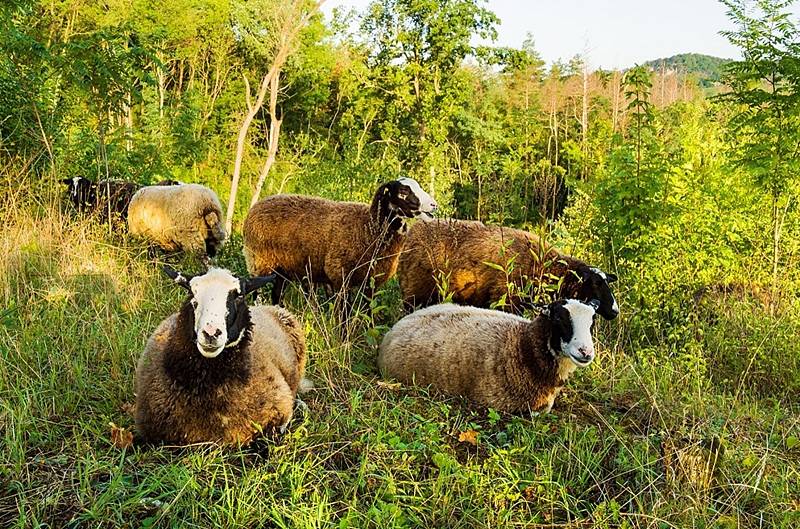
{"points": [[340, 244], [470, 259], [184, 217], [493, 358], [105, 196], [219, 370]]}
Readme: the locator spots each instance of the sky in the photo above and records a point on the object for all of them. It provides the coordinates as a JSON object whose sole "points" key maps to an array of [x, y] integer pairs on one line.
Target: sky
{"points": [[612, 33]]}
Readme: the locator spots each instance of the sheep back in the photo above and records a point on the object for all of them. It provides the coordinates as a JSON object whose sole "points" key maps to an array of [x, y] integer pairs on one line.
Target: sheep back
{"points": [[327, 241], [183, 217], [457, 251], [234, 412], [496, 359]]}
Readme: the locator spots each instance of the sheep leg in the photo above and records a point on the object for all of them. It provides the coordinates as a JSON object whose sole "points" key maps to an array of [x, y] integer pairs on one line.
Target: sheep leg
{"points": [[277, 287]]}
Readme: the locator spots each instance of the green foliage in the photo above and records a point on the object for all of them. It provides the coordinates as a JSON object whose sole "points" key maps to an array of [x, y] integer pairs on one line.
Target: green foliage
{"points": [[693, 203], [708, 69]]}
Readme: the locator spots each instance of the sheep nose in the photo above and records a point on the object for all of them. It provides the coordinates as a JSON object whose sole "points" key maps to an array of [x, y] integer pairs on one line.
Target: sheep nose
{"points": [[210, 332], [587, 352]]}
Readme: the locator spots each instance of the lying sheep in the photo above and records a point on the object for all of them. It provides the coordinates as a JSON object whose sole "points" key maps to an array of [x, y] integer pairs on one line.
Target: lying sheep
{"points": [[493, 358], [472, 261], [184, 217], [340, 244], [104, 197], [218, 370]]}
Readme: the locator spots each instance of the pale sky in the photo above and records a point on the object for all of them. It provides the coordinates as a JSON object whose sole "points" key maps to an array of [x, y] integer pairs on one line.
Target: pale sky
{"points": [[614, 33]]}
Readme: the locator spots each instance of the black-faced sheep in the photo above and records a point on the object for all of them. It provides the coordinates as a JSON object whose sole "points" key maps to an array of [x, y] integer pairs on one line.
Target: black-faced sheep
{"points": [[341, 244], [218, 370], [472, 260], [493, 358], [184, 217], [103, 197]]}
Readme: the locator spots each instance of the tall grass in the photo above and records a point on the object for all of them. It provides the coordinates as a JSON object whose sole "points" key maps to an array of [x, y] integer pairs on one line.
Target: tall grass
{"points": [[639, 439]]}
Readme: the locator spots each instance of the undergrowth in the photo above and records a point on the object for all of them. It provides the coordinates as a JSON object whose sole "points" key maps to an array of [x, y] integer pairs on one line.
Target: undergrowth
{"points": [[644, 437]]}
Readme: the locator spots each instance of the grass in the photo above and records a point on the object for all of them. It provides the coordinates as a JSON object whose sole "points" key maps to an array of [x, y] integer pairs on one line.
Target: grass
{"points": [[628, 444]]}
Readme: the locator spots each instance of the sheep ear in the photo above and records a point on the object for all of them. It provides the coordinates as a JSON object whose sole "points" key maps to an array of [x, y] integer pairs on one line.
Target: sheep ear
{"points": [[67, 181], [180, 279], [254, 283], [610, 278]]}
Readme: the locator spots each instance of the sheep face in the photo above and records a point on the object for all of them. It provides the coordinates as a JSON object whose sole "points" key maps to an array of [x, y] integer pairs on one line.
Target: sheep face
{"points": [[409, 199], [571, 331], [82, 192], [595, 286], [221, 315]]}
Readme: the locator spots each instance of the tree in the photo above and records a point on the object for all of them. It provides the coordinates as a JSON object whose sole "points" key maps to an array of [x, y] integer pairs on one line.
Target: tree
{"points": [[765, 96], [286, 20]]}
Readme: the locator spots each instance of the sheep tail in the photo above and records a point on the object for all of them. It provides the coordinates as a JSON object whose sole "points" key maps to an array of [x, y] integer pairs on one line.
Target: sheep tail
{"points": [[306, 385]]}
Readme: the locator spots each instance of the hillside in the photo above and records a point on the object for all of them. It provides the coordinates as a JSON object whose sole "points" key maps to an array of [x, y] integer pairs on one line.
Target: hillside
{"points": [[707, 68]]}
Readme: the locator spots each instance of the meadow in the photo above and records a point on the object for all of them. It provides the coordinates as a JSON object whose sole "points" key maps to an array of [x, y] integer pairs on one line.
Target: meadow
{"points": [[639, 439], [682, 177]]}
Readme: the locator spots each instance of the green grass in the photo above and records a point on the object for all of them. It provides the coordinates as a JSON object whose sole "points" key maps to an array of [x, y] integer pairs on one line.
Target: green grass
{"points": [[78, 303]]}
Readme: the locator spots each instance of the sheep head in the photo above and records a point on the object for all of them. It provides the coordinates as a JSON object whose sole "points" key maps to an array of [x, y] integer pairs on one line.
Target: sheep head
{"points": [[221, 315], [407, 198], [594, 284], [571, 330]]}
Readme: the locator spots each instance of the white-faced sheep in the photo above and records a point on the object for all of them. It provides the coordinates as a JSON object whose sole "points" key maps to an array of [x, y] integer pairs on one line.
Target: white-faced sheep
{"points": [[341, 244], [493, 358], [472, 261], [218, 370], [184, 217]]}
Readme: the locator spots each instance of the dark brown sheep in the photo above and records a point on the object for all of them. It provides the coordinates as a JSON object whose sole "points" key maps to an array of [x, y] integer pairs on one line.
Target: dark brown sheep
{"points": [[218, 370], [475, 263], [103, 197], [341, 244]]}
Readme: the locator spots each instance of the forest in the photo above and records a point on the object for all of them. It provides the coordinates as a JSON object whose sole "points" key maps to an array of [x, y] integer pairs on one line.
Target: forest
{"points": [[682, 177]]}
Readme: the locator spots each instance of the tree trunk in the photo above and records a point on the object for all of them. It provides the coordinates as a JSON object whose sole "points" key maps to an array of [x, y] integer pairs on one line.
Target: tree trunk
{"points": [[288, 34], [274, 131]]}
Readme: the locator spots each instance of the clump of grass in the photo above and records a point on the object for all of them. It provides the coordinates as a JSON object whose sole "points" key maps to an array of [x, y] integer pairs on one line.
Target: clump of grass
{"points": [[78, 304]]}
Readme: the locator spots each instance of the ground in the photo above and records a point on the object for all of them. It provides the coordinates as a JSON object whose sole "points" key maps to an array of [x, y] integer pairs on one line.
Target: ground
{"points": [[638, 439]]}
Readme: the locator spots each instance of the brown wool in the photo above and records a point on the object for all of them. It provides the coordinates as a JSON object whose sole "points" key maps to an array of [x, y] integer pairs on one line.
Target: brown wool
{"points": [[183, 398], [335, 243], [456, 251]]}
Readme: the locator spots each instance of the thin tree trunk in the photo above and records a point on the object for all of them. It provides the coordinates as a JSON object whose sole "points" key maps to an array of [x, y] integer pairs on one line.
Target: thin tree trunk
{"points": [[274, 131], [288, 34]]}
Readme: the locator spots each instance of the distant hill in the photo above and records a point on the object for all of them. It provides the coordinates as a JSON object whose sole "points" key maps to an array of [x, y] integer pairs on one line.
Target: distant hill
{"points": [[708, 69]]}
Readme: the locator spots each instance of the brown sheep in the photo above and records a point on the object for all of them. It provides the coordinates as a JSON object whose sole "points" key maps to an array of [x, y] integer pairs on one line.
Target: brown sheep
{"points": [[218, 370], [455, 253], [341, 244], [493, 358]]}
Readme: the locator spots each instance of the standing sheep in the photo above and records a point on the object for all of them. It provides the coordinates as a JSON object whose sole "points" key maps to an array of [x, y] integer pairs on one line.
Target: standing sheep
{"points": [[184, 217], [218, 370], [341, 244], [493, 358], [472, 261], [104, 197]]}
